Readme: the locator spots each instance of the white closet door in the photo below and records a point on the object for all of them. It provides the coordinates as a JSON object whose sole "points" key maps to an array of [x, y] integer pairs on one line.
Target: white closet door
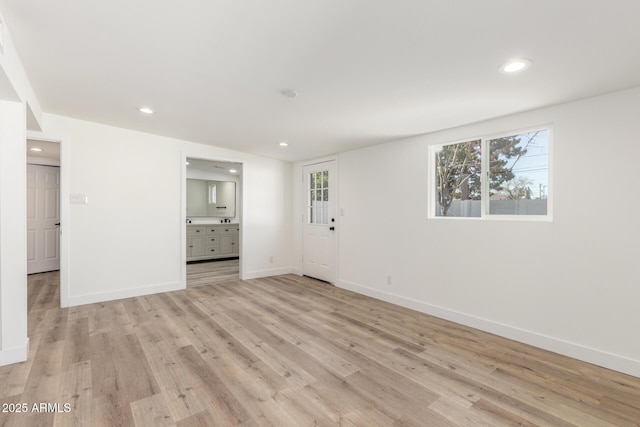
{"points": [[43, 218]]}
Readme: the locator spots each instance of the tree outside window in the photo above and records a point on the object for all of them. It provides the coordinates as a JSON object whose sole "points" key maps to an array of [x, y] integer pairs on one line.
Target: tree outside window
{"points": [[516, 170]]}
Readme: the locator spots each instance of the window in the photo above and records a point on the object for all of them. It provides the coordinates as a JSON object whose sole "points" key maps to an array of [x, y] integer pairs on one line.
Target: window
{"points": [[318, 197], [458, 183], [212, 194], [518, 174], [500, 177]]}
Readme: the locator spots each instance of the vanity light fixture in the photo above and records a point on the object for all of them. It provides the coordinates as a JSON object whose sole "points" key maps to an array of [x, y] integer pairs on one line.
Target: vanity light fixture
{"points": [[35, 149], [186, 163], [146, 110], [233, 170], [515, 65], [283, 144]]}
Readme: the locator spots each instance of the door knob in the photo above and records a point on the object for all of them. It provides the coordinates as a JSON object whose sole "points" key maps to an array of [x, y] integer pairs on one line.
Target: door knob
{"points": [[332, 228]]}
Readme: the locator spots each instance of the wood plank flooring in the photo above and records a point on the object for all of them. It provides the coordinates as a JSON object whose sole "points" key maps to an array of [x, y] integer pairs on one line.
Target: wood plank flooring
{"points": [[290, 351], [207, 273]]}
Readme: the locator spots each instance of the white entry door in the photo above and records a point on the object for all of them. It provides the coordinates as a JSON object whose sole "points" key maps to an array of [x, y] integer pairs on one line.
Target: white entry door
{"points": [[319, 221], [43, 218]]}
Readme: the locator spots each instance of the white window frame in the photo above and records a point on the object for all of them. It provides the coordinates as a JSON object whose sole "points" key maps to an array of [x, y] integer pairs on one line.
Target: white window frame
{"points": [[484, 214]]}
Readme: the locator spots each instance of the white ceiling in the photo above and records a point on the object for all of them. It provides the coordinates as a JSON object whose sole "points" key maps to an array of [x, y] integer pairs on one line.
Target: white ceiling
{"points": [[50, 150], [368, 71], [218, 167]]}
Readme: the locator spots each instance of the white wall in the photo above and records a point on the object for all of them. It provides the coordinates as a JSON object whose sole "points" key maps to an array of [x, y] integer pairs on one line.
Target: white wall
{"points": [[14, 82], [581, 290], [13, 225], [129, 239], [18, 103], [33, 160], [267, 219]]}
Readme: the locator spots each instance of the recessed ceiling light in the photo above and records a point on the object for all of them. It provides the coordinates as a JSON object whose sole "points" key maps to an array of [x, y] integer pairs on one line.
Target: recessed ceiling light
{"points": [[146, 110], [35, 149], [515, 65], [283, 144], [289, 93], [187, 163], [233, 170]]}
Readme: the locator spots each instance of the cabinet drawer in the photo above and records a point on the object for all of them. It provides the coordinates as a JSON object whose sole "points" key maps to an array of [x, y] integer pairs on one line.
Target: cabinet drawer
{"points": [[213, 230], [213, 241], [229, 229], [195, 230], [213, 250]]}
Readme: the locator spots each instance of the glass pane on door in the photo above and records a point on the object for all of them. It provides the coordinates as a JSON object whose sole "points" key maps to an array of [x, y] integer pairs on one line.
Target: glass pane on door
{"points": [[318, 198]]}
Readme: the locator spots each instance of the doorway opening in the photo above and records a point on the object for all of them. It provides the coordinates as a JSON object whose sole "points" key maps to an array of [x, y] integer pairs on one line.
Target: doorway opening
{"points": [[44, 213], [43, 206], [213, 221]]}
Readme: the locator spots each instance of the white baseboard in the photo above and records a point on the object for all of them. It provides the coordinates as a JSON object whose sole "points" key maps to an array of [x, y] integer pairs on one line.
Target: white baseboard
{"points": [[267, 273], [577, 351], [14, 354], [123, 293]]}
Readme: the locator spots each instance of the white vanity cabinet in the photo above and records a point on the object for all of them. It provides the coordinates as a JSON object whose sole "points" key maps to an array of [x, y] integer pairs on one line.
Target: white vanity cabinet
{"points": [[211, 241], [195, 242], [229, 234]]}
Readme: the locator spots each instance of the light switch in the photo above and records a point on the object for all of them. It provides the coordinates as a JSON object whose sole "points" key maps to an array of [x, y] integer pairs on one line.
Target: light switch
{"points": [[78, 199]]}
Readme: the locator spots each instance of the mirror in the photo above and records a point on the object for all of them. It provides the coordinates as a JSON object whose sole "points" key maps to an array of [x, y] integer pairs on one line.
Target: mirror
{"points": [[211, 198]]}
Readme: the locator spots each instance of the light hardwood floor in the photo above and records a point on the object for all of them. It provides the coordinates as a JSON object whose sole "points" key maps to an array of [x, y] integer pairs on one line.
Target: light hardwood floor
{"points": [[291, 351], [207, 273]]}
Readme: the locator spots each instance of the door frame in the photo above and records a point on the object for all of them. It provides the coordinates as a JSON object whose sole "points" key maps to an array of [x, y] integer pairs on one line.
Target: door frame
{"points": [[335, 190], [65, 223], [193, 154]]}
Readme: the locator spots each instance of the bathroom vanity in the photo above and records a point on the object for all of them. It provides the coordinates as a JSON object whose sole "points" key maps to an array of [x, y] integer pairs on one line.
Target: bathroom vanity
{"points": [[212, 241]]}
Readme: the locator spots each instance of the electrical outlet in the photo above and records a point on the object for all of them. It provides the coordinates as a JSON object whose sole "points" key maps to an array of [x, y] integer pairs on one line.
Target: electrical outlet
{"points": [[271, 259], [388, 280]]}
